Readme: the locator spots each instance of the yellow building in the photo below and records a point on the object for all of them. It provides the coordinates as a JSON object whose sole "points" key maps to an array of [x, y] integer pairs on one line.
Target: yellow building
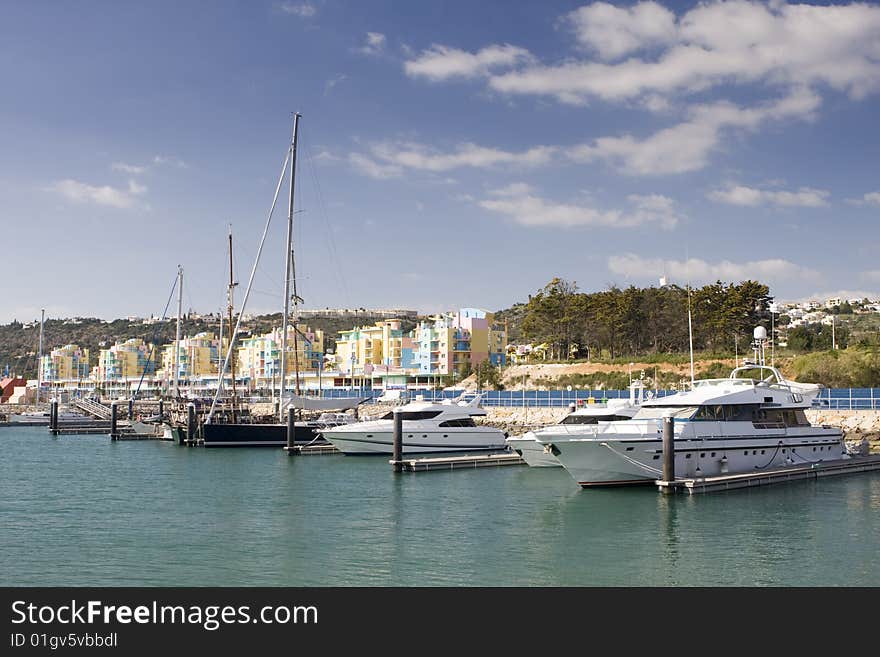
{"points": [[67, 363], [125, 360], [259, 357], [383, 346], [197, 356]]}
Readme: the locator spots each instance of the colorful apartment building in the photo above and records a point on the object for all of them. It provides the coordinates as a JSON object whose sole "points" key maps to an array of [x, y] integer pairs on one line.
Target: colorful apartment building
{"points": [[125, 360], [67, 363], [259, 357], [197, 357], [456, 341], [383, 347], [444, 344]]}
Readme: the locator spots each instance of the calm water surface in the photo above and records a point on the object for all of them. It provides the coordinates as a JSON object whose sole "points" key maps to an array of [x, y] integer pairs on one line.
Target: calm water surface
{"points": [[82, 511]]}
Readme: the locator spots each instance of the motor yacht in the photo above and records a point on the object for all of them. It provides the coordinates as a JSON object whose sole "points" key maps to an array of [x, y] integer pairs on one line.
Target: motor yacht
{"points": [[428, 427], [538, 455], [753, 420]]}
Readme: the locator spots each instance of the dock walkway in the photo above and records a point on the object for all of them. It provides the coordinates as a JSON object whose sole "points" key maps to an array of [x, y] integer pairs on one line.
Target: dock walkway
{"points": [[780, 475], [458, 462]]}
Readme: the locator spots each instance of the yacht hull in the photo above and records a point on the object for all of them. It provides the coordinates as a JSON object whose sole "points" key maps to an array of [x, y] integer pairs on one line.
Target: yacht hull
{"points": [[256, 435], [534, 453], [425, 442], [598, 461]]}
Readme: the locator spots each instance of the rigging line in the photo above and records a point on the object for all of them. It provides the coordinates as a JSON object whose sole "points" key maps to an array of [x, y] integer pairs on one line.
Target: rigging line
{"points": [[156, 335], [327, 225], [647, 468], [248, 290], [773, 456]]}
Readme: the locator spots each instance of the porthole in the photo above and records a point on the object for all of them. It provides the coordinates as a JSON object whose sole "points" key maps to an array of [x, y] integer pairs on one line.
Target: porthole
{"points": [[702, 455], [762, 451], [629, 449], [746, 453], [656, 456], [754, 452], [687, 456], [713, 454]]}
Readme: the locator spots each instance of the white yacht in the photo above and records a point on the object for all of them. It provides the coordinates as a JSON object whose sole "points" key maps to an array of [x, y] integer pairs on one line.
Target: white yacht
{"points": [[428, 427], [538, 455], [751, 421]]}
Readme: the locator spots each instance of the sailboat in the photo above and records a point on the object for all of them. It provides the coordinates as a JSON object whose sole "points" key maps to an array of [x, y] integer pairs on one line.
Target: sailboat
{"points": [[249, 434]]}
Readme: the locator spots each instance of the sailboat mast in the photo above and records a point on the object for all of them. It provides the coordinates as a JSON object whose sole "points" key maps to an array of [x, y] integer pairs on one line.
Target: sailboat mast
{"points": [[40, 357], [229, 307], [288, 262], [176, 384]]}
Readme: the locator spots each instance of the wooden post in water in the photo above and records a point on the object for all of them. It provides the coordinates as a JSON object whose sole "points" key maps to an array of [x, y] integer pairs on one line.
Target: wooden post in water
{"points": [[131, 409], [191, 425], [291, 429], [161, 410], [668, 452], [397, 441], [114, 421], [53, 418]]}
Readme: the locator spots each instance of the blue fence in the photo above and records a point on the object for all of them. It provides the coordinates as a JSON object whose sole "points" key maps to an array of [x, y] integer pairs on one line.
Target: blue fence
{"points": [[831, 398]]}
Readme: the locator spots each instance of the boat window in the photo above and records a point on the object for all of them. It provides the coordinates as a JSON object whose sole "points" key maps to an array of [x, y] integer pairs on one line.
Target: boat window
{"points": [[726, 412], [460, 422], [412, 415], [659, 412], [580, 419], [592, 419]]}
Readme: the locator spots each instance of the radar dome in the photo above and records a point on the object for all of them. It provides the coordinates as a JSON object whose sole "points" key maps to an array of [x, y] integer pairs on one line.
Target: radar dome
{"points": [[760, 333]]}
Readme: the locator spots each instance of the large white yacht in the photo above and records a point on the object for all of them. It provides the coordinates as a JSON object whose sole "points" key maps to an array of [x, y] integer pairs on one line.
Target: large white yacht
{"points": [[751, 421], [428, 427], [538, 455]]}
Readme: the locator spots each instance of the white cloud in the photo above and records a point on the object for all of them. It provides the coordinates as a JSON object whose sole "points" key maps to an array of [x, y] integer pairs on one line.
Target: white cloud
{"points": [[401, 156], [132, 169], [686, 146], [518, 202], [842, 294], [374, 169], [871, 198], [635, 267], [332, 82], [442, 62], [301, 9], [805, 197], [712, 44], [374, 45], [104, 195], [163, 160], [613, 31]]}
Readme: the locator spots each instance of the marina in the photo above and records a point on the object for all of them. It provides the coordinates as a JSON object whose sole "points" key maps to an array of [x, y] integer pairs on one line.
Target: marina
{"points": [[150, 513]]}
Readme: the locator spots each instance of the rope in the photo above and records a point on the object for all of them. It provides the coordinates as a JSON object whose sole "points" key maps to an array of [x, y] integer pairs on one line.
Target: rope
{"points": [[248, 290], [155, 335], [647, 468]]}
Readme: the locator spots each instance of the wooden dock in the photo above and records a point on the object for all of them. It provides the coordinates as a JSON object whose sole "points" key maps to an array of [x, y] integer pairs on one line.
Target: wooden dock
{"points": [[458, 462], [311, 450], [767, 477]]}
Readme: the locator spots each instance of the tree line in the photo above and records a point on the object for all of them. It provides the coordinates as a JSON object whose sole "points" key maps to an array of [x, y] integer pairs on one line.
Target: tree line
{"points": [[625, 322]]}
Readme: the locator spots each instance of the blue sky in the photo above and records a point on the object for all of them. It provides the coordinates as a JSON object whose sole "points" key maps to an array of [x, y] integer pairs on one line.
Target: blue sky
{"points": [[452, 154]]}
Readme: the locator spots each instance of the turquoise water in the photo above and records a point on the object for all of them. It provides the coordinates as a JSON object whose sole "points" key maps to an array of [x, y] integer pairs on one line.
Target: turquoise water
{"points": [[83, 511]]}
